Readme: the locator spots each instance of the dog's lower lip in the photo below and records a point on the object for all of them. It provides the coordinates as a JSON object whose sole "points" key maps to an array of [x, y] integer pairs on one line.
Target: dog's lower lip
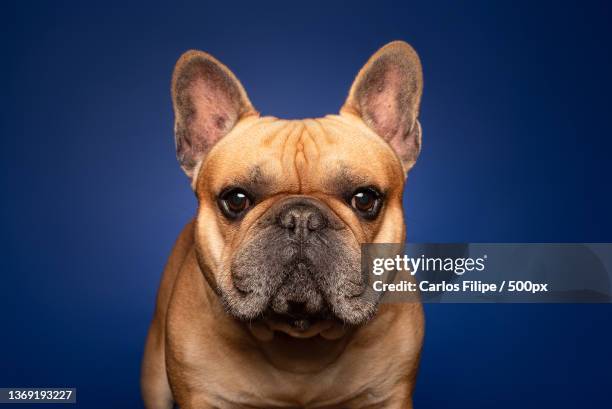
{"points": [[303, 329], [302, 324]]}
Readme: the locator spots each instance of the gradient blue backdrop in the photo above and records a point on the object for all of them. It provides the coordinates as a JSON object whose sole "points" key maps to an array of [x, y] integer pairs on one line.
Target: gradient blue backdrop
{"points": [[516, 119]]}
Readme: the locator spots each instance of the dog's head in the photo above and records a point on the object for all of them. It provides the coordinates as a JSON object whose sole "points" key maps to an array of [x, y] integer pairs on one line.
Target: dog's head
{"points": [[284, 205]]}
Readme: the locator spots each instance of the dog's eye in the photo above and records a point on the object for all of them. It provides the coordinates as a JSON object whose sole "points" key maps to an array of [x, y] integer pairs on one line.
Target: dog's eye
{"points": [[367, 202], [234, 203]]}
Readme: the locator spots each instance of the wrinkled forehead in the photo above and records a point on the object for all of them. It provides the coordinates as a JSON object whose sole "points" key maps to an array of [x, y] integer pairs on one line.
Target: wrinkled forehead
{"points": [[300, 156]]}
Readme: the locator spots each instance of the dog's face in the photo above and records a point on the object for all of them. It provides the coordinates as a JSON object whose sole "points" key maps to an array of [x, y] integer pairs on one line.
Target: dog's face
{"points": [[285, 205]]}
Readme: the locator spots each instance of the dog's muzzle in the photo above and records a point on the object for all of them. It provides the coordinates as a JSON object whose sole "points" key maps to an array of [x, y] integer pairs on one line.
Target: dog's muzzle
{"points": [[302, 266]]}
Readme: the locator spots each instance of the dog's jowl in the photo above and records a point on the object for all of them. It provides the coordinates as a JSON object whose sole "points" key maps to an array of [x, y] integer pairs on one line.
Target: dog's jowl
{"points": [[263, 303]]}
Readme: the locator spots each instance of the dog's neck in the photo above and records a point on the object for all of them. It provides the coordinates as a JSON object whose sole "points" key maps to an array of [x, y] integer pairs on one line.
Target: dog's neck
{"points": [[309, 355]]}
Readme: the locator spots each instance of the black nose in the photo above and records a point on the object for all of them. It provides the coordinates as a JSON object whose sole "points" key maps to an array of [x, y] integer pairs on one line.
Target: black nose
{"points": [[301, 217]]}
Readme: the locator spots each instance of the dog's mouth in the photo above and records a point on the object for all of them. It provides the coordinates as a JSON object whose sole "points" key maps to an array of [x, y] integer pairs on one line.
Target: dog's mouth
{"points": [[329, 329], [301, 326]]}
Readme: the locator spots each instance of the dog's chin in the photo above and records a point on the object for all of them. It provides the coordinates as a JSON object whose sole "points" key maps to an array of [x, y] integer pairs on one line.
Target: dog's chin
{"points": [[329, 321], [327, 328]]}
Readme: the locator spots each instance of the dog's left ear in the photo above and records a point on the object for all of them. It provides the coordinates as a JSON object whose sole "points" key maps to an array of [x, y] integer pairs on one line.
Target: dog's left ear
{"points": [[208, 102], [386, 95]]}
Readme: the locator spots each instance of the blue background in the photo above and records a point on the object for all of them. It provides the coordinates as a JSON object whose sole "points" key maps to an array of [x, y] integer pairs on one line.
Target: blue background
{"points": [[516, 117]]}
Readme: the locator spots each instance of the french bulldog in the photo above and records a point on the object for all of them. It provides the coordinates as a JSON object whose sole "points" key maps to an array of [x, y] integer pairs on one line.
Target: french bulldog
{"points": [[263, 303]]}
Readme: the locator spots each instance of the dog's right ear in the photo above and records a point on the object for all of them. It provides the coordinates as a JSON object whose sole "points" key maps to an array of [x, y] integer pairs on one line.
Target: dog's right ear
{"points": [[386, 95], [208, 101]]}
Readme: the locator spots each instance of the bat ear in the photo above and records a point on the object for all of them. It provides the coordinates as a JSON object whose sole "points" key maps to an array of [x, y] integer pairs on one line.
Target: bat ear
{"points": [[386, 95], [208, 101]]}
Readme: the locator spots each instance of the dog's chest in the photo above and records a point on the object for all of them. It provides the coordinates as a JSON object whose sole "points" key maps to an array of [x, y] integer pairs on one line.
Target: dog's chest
{"points": [[333, 390], [363, 400]]}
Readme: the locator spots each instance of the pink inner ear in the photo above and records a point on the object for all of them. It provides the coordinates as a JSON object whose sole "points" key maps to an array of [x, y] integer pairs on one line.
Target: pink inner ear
{"points": [[215, 113], [208, 103], [388, 98], [381, 104]]}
